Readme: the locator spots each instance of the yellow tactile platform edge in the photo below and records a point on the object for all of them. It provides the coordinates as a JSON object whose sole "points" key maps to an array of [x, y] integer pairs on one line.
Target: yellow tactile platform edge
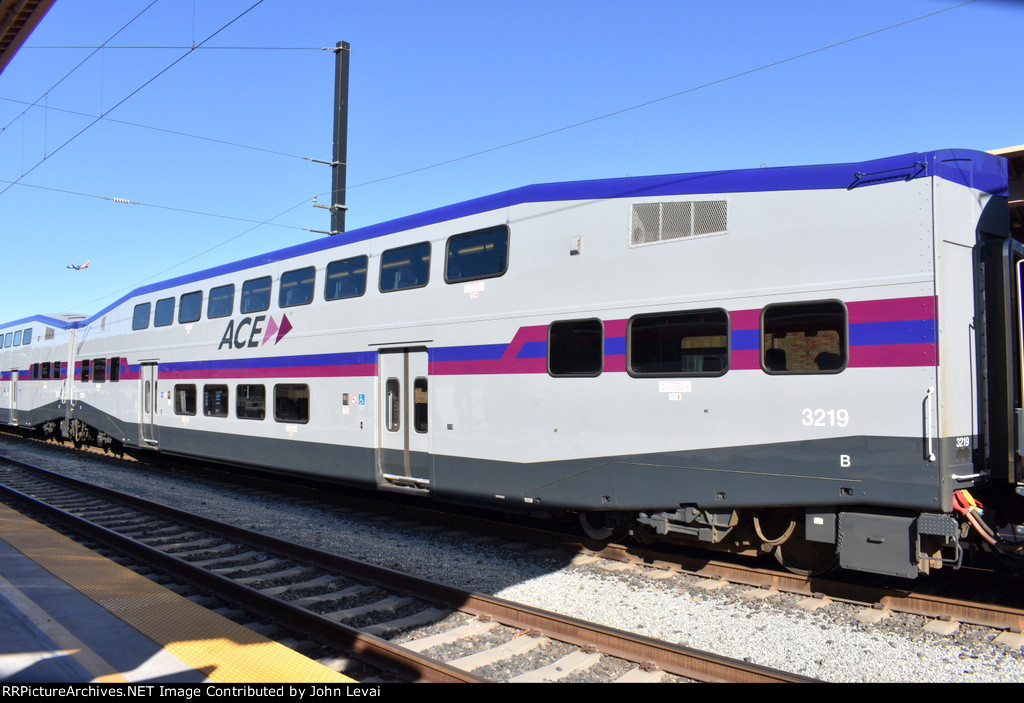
{"points": [[224, 651]]}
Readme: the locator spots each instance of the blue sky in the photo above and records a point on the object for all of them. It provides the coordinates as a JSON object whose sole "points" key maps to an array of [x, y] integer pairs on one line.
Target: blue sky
{"points": [[433, 82]]}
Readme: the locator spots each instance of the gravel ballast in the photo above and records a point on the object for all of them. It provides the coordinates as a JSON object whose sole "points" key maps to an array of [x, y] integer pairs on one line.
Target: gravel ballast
{"points": [[774, 631]]}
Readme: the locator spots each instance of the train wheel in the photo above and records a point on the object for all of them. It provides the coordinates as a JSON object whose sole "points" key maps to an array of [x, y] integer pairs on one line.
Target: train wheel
{"points": [[806, 558], [600, 524]]}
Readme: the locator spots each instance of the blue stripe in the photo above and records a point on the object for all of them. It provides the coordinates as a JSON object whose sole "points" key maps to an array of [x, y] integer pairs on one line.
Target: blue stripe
{"points": [[615, 345], [479, 352], [346, 359], [899, 332], [533, 350], [746, 339]]}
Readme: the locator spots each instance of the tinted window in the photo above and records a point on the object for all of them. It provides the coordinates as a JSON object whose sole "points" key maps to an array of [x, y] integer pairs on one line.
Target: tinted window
{"points": [[185, 400], [222, 301], [297, 287], [575, 348], [140, 318], [191, 307], [215, 400], [407, 267], [17, 338], [115, 369], [482, 254], [251, 402], [9, 339], [346, 279], [27, 337], [164, 313], [99, 370], [256, 295], [679, 344], [291, 402], [804, 338]]}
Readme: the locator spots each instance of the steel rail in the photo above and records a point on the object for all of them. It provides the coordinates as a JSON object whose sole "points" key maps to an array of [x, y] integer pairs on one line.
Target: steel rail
{"points": [[674, 659]]}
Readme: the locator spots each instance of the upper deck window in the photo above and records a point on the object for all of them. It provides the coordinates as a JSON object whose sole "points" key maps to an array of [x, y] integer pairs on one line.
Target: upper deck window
{"points": [[297, 287], [140, 318], [803, 338], [164, 313], [27, 336], [222, 301], [405, 267], [191, 308], [346, 278], [255, 295], [482, 254], [17, 338]]}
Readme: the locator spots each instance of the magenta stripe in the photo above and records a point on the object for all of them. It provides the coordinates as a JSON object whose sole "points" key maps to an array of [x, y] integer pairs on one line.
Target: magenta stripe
{"points": [[873, 355]]}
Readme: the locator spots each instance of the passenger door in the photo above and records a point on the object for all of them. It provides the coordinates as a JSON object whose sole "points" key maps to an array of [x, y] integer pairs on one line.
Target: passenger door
{"points": [[404, 457], [148, 403], [14, 396]]}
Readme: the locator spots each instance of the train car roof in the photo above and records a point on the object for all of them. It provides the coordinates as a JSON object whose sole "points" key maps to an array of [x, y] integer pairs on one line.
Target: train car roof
{"points": [[981, 170]]}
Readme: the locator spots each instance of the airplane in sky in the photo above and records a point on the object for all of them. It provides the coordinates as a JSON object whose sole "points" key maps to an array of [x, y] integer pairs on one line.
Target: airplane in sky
{"points": [[79, 268]]}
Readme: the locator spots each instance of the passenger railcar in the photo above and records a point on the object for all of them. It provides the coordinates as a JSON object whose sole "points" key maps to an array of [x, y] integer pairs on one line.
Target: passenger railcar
{"points": [[823, 362]]}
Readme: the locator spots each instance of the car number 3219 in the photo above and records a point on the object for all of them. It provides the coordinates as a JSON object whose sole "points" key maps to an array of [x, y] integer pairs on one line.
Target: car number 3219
{"points": [[820, 417]]}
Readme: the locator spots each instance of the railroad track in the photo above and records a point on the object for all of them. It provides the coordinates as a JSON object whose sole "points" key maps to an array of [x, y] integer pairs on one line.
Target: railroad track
{"points": [[983, 599], [382, 617]]}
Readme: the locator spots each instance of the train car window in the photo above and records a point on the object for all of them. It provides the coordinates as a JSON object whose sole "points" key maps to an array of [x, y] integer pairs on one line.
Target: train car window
{"points": [[255, 295], [291, 402], [56, 370], [164, 313], [27, 337], [346, 278], [482, 254], [191, 307], [393, 404], [37, 370], [99, 370], [222, 301], [140, 318], [250, 402], [115, 369], [803, 338], [297, 287], [576, 348], [17, 338], [1, 341], [215, 400], [185, 400], [84, 369], [678, 344], [405, 267], [419, 405], [9, 339], [48, 334]]}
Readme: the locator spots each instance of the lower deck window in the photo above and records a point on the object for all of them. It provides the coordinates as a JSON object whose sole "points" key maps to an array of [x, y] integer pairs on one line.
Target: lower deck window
{"points": [[250, 402], [291, 402], [804, 338], [215, 400], [99, 370], [185, 400]]}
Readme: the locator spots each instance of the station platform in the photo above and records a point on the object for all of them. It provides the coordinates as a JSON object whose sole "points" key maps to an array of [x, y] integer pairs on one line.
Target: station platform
{"points": [[69, 615]]}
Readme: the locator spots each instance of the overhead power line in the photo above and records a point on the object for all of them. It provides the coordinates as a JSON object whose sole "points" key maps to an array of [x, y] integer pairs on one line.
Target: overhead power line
{"points": [[133, 93]]}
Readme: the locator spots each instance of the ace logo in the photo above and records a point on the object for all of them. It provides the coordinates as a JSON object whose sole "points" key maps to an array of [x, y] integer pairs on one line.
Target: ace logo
{"points": [[246, 333]]}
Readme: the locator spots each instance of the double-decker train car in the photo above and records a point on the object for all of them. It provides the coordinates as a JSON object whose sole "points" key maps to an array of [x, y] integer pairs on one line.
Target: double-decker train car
{"points": [[823, 362]]}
